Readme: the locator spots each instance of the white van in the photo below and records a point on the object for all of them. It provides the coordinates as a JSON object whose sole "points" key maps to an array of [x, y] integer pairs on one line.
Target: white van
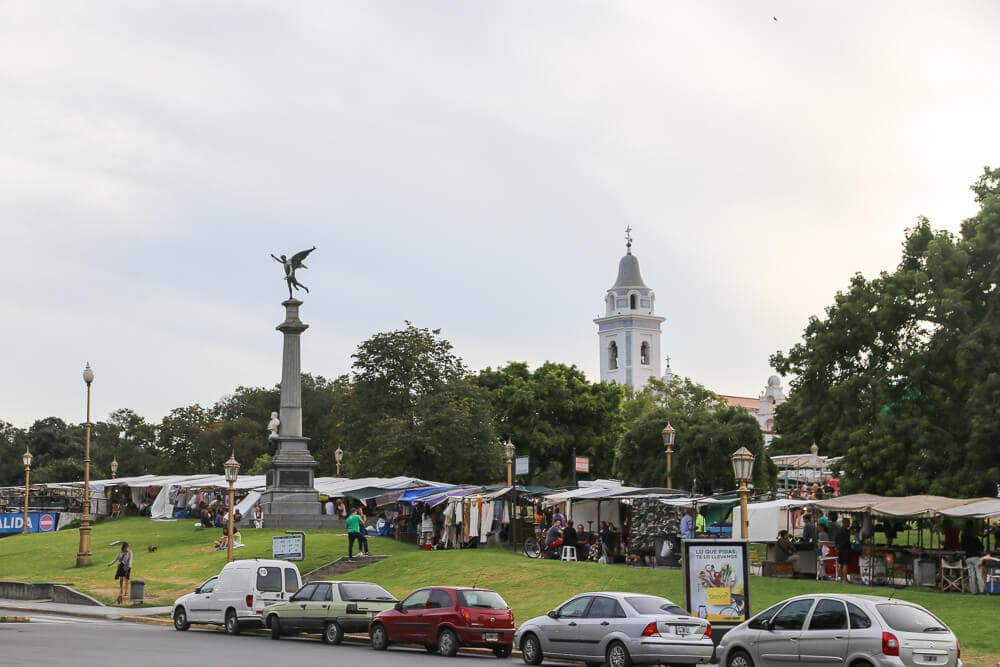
{"points": [[236, 597]]}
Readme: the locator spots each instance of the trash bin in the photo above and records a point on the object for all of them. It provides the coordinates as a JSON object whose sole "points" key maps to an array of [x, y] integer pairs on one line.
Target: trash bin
{"points": [[138, 589]]}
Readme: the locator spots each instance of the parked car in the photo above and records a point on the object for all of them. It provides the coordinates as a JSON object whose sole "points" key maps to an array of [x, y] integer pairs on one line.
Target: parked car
{"points": [[330, 607], [444, 618], [841, 629], [236, 598], [618, 629]]}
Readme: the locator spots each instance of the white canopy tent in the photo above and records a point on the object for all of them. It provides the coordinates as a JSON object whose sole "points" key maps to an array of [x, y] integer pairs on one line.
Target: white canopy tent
{"points": [[767, 518]]}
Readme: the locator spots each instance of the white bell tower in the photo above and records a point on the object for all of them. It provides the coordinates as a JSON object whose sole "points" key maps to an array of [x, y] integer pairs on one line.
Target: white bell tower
{"points": [[629, 332]]}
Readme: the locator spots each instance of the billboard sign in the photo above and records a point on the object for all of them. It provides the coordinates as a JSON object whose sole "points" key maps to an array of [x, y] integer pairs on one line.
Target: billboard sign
{"points": [[38, 522], [583, 464], [717, 580], [289, 547]]}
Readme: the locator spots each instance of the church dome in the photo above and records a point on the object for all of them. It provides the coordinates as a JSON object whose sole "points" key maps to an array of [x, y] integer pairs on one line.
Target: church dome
{"points": [[628, 273]]}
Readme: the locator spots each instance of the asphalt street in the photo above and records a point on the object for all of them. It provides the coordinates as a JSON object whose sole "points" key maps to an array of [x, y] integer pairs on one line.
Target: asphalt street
{"points": [[60, 640]]}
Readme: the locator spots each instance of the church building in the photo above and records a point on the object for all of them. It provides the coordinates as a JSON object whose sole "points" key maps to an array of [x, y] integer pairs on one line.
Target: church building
{"points": [[629, 332]]}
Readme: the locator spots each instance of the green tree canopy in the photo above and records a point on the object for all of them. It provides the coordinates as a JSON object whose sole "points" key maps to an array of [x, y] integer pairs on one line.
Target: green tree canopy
{"points": [[902, 375]]}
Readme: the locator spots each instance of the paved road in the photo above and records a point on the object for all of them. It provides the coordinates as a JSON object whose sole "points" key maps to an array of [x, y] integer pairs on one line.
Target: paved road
{"points": [[53, 640]]}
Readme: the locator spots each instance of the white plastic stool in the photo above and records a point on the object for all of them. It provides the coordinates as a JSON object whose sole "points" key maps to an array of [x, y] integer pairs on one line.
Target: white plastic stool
{"points": [[568, 553]]}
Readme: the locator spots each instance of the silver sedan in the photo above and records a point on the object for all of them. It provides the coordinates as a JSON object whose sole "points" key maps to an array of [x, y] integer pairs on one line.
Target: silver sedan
{"points": [[841, 629], [618, 629]]}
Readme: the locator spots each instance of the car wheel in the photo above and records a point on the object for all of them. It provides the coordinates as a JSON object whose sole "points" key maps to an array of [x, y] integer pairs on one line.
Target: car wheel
{"points": [[447, 643], [739, 659], [503, 651], [181, 619], [232, 623], [617, 655], [431, 648], [379, 637], [333, 633], [531, 650], [275, 626]]}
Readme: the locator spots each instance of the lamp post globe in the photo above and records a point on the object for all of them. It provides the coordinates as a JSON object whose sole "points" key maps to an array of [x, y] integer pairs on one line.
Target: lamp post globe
{"points": [[26, 460], [742, 460], [338, 455], [232, 468], [114, 467], [668, 443], [83, 555]]}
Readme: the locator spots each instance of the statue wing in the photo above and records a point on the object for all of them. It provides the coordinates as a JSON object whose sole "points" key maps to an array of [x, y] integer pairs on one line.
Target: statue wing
{"points": [[299, 257]]}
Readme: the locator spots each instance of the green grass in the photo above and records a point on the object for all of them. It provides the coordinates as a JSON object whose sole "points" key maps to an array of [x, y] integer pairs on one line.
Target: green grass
{"points": [[184, 558]]}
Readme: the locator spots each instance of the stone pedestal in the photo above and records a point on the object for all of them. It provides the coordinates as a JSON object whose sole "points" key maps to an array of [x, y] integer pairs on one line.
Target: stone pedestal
{"points": [[289, 499]]}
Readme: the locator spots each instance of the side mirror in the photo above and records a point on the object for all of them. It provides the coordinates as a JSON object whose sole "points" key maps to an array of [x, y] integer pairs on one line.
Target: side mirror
{"points": [[553, 614], [398, 606], [198, 590]]}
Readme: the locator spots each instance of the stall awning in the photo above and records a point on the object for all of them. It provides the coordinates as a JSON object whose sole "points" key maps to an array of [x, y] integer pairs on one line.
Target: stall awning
{"points": [[985, 508]]}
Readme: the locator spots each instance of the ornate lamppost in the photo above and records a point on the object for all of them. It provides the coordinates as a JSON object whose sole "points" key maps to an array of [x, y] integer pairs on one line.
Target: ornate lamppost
{"points": [[232, 467], [742, 460], [508, 448], [668, 442], [26, 460], [114, 468], [338, 454], [83, 555]]}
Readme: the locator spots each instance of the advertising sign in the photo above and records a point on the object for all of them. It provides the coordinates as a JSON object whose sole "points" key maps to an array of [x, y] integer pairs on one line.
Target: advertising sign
{"points": [[289, 547], [38, 522], [583, 464], [521, 465], [717, 581]]}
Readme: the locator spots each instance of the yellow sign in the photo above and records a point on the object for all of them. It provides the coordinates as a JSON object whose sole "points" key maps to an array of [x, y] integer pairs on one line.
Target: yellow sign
{"points": [[718, 597]]}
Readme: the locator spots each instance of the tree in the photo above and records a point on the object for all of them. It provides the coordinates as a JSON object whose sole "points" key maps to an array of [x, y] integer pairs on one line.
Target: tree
{"points": [[551, 413], [902, 375]]}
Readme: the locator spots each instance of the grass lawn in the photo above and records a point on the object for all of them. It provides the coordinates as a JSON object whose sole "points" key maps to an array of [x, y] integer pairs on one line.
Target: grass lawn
{"points": [[185, 557]]}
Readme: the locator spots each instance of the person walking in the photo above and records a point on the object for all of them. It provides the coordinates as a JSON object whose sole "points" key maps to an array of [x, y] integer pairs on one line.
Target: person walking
{"points": [[124, 572], [354, 528], [842, 540], [687, 524]]}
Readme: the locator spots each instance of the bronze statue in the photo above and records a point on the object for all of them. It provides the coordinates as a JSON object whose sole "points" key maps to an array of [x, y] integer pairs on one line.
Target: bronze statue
{"points": [[291, 265]]}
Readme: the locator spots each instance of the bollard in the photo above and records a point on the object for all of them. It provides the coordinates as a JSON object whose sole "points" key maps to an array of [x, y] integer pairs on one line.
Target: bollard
{"points": [[137, 591]]}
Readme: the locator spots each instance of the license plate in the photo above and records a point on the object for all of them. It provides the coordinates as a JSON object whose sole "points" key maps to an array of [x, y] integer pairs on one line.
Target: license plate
{"points": [[930, 658], [491, 636], [682, 629]]}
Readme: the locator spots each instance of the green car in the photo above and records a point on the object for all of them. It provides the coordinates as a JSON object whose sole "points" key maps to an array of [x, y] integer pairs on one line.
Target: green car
{"points": [[329, 607]]}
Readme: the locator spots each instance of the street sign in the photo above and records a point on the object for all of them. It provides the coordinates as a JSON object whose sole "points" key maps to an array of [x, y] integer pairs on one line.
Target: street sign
{"points": [[289, 547], [521, 465], [583, 464]]}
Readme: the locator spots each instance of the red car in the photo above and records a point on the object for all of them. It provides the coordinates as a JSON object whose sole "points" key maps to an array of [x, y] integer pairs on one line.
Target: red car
{"points": [[443, 618]]}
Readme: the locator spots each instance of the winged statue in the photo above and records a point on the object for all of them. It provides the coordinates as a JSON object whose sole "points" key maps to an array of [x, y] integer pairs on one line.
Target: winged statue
{"points": [[292, 264]]}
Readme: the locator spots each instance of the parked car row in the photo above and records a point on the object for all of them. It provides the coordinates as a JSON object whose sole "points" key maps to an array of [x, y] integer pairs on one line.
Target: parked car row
{"points": [[619, 629]]}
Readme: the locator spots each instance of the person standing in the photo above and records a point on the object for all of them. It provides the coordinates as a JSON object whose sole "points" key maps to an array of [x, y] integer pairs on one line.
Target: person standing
{"points": [[687, 525], [700, 522], [607, 542], [808, 528], [842, 540], [124, 572], [973, 548], [354, 528], [328, 507], [570, 536], [427, 529]]}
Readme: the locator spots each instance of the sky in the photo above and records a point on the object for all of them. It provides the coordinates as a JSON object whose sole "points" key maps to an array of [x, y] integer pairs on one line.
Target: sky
{"points": [[466, 166]]}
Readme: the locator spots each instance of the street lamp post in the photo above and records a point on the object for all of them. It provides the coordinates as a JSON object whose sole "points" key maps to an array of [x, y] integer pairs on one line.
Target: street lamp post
{"points": [[339, 456], [742, 460], [83, 555], [508, 448], [26, 459], [232, 467], [668, 442], [114, 468]]}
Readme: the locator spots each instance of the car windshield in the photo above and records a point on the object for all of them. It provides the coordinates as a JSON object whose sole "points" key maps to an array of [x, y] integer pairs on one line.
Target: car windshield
{"points": [[354, 592], [481, 600], [905, 618], [648, 604]]}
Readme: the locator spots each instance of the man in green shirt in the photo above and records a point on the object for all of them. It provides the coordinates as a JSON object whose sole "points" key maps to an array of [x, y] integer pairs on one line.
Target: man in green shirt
{"points": [[353, 523], [699, 521]]}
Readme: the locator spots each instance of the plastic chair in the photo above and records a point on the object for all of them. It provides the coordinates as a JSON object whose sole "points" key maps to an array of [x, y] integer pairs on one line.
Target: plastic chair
{"points": [[116, 510], [758, 554], [826, 562], [952, 574], [568, 553]]}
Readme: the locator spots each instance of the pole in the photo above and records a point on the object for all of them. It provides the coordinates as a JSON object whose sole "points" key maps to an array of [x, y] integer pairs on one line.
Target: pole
{"points": [[229, 542], [744, 519], [83, 556], [509, 478], [27, 484], [670, 478], [338, 468], [573, 465]]}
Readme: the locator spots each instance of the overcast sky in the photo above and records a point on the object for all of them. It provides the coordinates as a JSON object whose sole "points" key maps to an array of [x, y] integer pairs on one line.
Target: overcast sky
{"points": [[464, 165]]}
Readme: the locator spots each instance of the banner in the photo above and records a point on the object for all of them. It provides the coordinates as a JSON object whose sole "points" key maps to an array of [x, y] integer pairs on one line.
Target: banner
{"points": [[289, 547], [521, 465], [583, 464], [38, 522], [716, 580]]}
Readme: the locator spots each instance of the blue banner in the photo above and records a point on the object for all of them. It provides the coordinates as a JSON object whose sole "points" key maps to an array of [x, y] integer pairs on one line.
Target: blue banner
{"points": [[38, 522]]}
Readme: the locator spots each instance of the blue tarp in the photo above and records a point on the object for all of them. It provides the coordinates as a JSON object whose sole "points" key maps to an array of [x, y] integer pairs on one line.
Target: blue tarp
{"points": [[412, 495]]}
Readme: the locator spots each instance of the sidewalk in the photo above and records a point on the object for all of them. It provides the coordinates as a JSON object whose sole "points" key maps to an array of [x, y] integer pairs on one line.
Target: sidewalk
{"points": [[90, 611]]}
